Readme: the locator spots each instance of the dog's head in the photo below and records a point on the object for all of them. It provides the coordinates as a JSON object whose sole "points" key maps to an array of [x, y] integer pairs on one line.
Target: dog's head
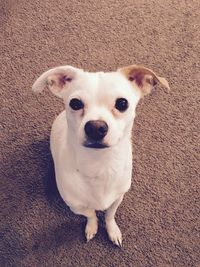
{"points": [[100, 106]]}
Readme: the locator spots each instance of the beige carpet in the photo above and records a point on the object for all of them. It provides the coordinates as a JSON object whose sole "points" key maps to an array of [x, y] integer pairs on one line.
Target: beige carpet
{"points": [[159, 217]]}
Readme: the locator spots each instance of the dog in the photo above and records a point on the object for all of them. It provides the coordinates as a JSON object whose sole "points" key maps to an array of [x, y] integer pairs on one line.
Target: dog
{"points": [[91, 139]]}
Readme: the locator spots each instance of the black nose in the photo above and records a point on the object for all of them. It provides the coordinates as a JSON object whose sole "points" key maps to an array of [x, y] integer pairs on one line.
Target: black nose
{"points": [[96, 130]]}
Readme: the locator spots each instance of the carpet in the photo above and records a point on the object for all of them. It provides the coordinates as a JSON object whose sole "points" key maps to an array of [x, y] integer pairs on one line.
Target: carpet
{"points": [[159, 217]]}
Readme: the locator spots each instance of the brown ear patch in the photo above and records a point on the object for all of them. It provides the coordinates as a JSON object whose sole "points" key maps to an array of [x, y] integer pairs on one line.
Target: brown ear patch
{"points": [[144, 78], [139, 78], [57, 81]]}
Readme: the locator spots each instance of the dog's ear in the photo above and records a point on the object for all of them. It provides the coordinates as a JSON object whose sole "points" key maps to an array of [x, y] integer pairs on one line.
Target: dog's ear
{"points": [[57, 79], [144, 78]]}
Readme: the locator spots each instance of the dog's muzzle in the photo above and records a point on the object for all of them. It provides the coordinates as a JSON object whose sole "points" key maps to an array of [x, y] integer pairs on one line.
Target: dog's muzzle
{"points": [[95, 131]]}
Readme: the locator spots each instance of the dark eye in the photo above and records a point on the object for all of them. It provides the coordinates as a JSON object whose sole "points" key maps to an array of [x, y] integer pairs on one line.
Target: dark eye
{"points": [[121, 104], [76, 104]]}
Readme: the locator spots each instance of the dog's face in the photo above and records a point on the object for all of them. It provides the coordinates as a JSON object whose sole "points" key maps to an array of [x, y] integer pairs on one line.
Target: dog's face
{"points": [[100, 106]]}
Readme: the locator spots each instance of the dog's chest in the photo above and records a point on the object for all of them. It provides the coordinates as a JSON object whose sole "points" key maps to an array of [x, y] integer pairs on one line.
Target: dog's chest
{"points": [[93, 192], [100, 192]]}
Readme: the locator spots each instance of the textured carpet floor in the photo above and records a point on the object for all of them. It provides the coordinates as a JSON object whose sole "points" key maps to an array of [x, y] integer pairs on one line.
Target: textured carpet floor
{"points": [[159, 216]]}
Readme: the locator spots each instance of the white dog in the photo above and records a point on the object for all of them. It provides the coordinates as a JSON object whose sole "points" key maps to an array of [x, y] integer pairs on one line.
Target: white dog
{"points": [[91, 138]]}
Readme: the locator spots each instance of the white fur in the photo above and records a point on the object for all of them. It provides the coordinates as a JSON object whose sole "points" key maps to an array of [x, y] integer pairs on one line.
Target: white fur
{"points": [[91, 179]]}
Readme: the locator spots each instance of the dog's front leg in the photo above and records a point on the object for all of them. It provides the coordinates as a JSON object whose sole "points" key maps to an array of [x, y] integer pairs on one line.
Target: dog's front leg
{"points": [[113, 230], [92, 221]]}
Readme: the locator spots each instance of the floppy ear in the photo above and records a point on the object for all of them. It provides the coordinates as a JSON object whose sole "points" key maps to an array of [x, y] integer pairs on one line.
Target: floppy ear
{"points": [[56, 79], [144, 78]]}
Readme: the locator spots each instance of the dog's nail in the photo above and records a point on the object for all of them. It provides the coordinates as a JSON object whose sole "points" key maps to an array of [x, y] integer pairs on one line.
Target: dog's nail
{"points": [[89, 238], [117, 242], [120, 243]]}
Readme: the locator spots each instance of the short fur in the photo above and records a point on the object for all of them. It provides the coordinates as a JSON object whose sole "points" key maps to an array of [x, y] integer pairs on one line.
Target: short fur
{"points": [[90, 179]]}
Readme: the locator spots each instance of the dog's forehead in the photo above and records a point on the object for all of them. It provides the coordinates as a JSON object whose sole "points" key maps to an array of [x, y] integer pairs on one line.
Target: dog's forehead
{"points": [[104, 83]]}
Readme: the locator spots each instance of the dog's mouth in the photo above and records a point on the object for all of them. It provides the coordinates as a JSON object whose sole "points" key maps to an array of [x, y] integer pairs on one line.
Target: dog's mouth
{"points": [[96, 145]]}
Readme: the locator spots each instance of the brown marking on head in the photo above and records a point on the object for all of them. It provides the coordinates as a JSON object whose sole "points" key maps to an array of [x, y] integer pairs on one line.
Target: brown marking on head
{"points": [[57, 81], [145, 79]]}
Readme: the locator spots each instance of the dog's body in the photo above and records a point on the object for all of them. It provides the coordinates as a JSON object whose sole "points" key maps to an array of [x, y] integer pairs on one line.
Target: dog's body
{"points": [[84, 182], [91, 139]]}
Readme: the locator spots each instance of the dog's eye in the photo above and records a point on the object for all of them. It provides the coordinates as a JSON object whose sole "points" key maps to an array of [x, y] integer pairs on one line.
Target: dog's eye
{"points": [[76, 104], [121, 104]]}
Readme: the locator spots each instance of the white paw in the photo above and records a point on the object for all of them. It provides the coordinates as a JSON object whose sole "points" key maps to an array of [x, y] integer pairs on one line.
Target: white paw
{"points": [[114, 232], [91, 228]]}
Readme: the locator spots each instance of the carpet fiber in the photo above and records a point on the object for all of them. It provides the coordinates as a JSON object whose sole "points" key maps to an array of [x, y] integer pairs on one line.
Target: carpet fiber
{"points": [[159, 215]]}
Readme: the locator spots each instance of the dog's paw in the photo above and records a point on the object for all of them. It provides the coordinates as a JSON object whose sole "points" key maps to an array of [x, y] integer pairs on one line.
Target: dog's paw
{"points": [[91, 228], [114, 232]]}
